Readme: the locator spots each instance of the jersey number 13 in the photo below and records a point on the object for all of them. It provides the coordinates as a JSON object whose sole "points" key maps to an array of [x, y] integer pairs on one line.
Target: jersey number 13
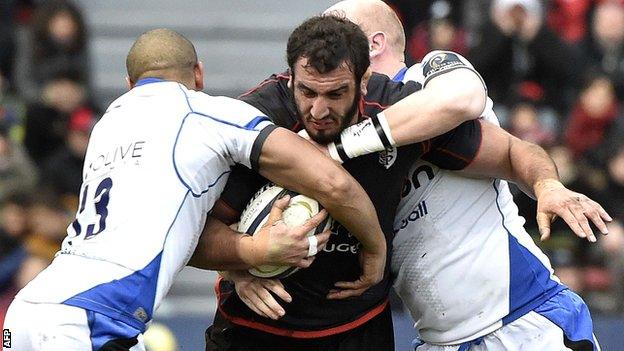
{"points": [[100, 201]]}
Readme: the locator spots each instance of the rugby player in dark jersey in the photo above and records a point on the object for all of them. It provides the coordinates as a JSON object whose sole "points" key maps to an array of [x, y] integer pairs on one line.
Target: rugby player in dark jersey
{"points": [[329, 59]]}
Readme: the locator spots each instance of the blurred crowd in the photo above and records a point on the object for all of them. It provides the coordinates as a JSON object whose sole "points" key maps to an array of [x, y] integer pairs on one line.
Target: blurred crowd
{"points": [[554, 68]]}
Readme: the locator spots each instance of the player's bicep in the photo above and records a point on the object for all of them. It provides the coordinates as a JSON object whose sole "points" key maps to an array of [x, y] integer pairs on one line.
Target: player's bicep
{"points": [[492, 159]]}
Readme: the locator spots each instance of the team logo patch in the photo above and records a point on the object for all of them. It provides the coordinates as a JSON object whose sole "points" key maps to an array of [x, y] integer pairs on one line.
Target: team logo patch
{"points": [[441, 62], [388, 156]]}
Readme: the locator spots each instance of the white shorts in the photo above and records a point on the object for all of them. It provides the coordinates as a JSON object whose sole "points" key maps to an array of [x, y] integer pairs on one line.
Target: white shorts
{"points": [[562, 323], [54, 327]]}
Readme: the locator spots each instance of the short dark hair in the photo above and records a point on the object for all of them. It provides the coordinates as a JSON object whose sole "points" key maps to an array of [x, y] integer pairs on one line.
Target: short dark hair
{"points": [[327, 41]]}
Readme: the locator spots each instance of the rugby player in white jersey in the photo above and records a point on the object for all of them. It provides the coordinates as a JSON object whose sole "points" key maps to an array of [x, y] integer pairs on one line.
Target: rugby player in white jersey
{"points": [[464, 265], [156, 162]]}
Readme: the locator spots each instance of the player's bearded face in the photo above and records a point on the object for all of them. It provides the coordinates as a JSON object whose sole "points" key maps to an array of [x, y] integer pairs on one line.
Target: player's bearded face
{"points": [[326, 103]]}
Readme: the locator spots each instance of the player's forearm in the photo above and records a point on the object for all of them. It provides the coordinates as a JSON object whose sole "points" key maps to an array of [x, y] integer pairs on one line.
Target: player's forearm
{"points": [[292, 162], [447, 101], [504, 156], [221, 248], [532, 168]]}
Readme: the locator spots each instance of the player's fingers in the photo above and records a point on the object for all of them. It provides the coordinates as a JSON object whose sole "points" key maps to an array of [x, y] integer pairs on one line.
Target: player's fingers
{"points": [[252, 306], [543, 223], [569, 218], [276, 287], [305, 262], [322, 240], [313, 222], [276, 210], [603, 213], [579, 214], [358, 284], [592, 211], [267, 304], [343, 294]]}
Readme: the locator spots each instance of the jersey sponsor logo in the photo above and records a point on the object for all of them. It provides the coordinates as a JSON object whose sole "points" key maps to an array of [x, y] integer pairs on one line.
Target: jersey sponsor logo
{"points": [[414, 182], [388, 156], [338, 230], [132, 151], [441, 62], [417, 213]]}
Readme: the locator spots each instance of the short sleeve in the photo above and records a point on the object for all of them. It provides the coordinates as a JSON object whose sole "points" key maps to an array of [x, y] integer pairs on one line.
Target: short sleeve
{"points": [[439, 62]]}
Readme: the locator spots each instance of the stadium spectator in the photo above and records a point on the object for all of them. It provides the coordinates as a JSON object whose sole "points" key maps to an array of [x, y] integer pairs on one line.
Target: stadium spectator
{"points": [[57, 46], [516, 47], [594, 117], [46, 121], [604, 47], [525, 123], [63, 169], [17, 173], [13, 229], [440, 32], [568, 18]]}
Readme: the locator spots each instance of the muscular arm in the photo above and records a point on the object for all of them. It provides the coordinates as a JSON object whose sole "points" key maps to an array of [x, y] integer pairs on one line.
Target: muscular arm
{"points": [[447, 100], [320, 178], [504, 156]]}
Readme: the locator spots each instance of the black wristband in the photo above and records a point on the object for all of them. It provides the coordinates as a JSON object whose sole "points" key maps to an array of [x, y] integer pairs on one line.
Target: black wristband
{"points": [[340, 150], [380, 132]]}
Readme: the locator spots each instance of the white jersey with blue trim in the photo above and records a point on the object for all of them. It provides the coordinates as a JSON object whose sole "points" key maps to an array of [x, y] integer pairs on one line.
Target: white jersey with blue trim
{"points": [[156, 163], [462, 261]]}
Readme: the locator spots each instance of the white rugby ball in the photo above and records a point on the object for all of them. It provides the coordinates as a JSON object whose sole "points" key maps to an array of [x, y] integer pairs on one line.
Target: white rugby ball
{"points": [[300, 209]]}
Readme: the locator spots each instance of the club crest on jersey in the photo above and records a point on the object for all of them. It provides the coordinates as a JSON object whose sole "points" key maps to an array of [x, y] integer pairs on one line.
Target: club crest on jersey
{"points": [[388, 156], [441, 62]]}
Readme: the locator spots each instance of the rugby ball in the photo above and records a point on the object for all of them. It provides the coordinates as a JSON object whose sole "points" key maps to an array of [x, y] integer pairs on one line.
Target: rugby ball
{"points": [[300, 209]]}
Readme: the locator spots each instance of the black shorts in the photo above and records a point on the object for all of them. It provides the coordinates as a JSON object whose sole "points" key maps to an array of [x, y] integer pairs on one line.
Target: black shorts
{"points": [[375, 335]]}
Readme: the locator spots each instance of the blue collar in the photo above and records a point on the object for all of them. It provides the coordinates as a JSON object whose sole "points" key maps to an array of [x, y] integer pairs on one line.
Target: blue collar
{"points": [[400, 75], [148, 81]]}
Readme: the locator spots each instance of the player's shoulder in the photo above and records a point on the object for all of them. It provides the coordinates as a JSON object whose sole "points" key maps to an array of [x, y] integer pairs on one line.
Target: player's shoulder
{"points": [[382, 90], [440, 61], [222, 107]]}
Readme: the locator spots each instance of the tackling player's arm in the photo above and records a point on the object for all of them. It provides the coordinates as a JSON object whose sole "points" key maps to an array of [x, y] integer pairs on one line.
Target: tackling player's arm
{"points": [[452, 93], [315, 176], [222, 248], [320, 178], [502, 155]]}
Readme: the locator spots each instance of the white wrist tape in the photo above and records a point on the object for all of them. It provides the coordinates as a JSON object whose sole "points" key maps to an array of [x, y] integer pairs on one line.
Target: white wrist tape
{"points": [[313, 248], [363, 138]]}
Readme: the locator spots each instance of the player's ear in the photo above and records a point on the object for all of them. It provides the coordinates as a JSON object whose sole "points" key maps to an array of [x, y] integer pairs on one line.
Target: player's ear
{"points": [[290, 82], [199, 75], [364, 81], [129, 83], [376, 44]]}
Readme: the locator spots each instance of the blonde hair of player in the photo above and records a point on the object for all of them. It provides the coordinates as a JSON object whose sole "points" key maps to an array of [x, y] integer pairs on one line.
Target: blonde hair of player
{"points": [[383, 28]]}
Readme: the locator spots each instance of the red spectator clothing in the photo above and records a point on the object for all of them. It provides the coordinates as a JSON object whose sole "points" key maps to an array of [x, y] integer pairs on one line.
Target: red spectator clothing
{"points": [[585, 132], [568, 18]]}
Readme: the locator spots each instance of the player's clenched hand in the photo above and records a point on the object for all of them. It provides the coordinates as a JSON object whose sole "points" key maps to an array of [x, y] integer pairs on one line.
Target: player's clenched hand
{"points": [[554, 199], [256, 293], [373, 265], [280, 245]]}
